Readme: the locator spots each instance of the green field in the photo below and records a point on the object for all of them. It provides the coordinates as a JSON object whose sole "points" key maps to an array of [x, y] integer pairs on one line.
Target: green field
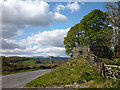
{"points": [[12, 65], [28, 62], [74, 71], [32, 68]]}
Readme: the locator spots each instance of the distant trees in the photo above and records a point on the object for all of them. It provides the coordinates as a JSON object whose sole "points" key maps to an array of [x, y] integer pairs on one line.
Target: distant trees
{"points": [[113, 11], [93, 29], [38, 61]]}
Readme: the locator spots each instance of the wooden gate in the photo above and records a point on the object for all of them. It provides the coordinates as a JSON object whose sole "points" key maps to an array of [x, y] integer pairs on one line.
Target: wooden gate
{"points": [[110, 71]]}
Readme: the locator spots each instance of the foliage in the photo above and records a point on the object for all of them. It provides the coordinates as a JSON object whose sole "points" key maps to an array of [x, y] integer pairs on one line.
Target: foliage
{"points": [[93, 29]]}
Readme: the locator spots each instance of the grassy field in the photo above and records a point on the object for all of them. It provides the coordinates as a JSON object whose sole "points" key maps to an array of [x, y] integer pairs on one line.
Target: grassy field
{"points": [[28, 62], [74, 72], [33, 68], [12, 65]]}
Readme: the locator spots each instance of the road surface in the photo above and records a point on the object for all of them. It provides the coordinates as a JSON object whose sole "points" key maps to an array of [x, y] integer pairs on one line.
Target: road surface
{"points": [[20, 79]]}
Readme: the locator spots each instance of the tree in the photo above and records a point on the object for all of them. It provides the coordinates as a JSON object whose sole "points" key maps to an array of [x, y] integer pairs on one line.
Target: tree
{"points": [[113, 10], [92, 30]]}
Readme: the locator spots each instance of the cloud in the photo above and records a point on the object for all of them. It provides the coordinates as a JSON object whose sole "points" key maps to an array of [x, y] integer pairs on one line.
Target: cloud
{"points": [[36, 51], [18, 14], [60, 7], [53, 51], [10, 44], [29, 51], [52, 38], [71, 6], [46, 43], [59, 17]]}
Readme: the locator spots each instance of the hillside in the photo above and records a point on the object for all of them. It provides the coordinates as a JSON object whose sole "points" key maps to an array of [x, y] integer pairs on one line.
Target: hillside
{"points": [[16, 64], [74, 72], [55, 58]]}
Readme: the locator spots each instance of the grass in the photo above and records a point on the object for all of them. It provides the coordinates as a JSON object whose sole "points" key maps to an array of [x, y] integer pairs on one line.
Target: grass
{"points": [[33, 68], [74, 71], [28, 62], [114, 61], [19, 71]]}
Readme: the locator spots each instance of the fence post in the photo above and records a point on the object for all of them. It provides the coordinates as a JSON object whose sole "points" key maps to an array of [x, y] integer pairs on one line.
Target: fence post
{"points": [[103, 69]]}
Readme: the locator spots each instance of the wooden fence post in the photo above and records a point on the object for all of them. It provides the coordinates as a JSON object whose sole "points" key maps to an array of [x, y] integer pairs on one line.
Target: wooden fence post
{"points": [[103, 69]]}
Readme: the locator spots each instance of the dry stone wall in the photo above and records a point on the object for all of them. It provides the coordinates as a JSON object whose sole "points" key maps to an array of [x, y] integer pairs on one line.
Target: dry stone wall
{"points": [[99, 51]]}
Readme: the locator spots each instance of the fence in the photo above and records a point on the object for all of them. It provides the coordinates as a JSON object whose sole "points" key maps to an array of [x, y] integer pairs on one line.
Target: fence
{"points": [[111, 71]]}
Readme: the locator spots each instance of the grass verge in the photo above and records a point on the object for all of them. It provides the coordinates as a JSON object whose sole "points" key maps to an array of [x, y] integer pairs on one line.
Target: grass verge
{"points": [[20, 71]]}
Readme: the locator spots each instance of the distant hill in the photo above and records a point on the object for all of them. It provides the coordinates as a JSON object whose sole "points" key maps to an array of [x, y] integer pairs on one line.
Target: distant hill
{"points": [[55, 58]]}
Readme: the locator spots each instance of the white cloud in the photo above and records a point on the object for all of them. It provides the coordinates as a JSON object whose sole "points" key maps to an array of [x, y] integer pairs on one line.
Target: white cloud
{"points": [[59, 17], [47, 43], [29, 51], [47, 38], [36, 51], [18, 14], [72, 6], [60, 7], [53, 51], [10, 44]]}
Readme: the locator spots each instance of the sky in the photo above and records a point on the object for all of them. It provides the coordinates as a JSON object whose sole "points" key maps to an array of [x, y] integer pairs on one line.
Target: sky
{"points": [[38, 28]]}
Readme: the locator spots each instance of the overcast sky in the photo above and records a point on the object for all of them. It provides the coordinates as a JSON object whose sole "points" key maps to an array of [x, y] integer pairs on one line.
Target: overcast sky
{"points": [[38, 28]]}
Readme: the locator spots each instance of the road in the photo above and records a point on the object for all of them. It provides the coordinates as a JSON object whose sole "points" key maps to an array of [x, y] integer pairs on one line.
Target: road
{"points": [[20, 79]]}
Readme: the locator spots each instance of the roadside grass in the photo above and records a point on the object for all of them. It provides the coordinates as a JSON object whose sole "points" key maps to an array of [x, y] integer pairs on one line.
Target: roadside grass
{"points": [[72, 72], [20, 71]]}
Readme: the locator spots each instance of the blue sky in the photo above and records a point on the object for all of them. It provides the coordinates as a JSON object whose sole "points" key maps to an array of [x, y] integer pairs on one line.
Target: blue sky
{"points": [[73, 18], [39, 28]]}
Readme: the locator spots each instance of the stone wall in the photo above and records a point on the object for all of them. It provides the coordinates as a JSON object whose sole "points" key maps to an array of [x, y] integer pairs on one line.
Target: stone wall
{"points": [[99, 51], [77, 51]]}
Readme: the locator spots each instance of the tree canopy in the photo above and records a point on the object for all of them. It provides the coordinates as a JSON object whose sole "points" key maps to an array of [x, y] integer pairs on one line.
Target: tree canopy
{"points": [[93, 29]]}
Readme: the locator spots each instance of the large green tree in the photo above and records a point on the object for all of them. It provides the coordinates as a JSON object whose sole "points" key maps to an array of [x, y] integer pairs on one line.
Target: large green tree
{"points": [[93, 29]]}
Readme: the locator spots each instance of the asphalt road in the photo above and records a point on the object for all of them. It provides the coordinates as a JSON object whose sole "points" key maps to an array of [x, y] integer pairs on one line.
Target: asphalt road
{"points": [[20, 79]]}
